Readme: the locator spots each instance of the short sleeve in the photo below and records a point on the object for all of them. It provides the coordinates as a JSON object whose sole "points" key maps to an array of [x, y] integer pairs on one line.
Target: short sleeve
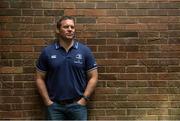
{"points": [[90, 61], [42, 62]]}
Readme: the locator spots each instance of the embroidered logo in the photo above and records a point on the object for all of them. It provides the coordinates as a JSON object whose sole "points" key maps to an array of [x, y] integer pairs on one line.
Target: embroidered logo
{"points": [[78, 59], [79, 56], [53, 56]]}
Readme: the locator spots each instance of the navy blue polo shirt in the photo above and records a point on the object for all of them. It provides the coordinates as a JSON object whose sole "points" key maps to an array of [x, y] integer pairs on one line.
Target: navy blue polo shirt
{"points": [[66, 72]]}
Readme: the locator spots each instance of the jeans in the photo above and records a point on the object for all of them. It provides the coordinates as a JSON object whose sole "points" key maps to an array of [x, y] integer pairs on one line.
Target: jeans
{"points": [[72, 111]]}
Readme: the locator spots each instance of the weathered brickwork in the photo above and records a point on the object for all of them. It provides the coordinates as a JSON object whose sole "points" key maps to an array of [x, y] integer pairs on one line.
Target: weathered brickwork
{"points": [[136, 44]]}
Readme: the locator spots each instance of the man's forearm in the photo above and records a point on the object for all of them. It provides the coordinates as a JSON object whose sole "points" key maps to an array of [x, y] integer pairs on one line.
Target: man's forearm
{"points": [[43, 91], [91, 83]]}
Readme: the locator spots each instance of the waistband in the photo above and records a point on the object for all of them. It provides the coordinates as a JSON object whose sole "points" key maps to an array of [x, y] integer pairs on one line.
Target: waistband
{"points": [[68, 101]]}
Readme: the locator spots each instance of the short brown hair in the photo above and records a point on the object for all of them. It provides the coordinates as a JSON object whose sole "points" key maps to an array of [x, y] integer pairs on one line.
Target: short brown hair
{"points": [[64, 18]]}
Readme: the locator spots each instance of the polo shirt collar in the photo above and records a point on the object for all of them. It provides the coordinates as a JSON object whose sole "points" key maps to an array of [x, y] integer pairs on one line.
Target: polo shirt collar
{"points": [[75, 45]]}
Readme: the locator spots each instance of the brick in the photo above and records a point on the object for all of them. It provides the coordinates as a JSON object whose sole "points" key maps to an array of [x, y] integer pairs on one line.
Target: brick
{"points": [[116, 84], [170, 5], [5, 92], [173, 69], [108, 76], [37, 5], [97, 112], [127, 34], [29, 69], [9, 99], [156, 69], [10, 12], [86, 20], [168, 91], [11, 70], [168, 76], [174, 26], [116, 12], [105, 118], [127, 20], [105, 91], [148, 5], [40, 20], [107, 20], [24, 19], [127, 76], [53, 12], [147, 97], [13, 114], [115, 112], [107, 48], [36, 114], [29, 55], [107, 34], [20, 4], [21, 34], [158, 12], [147, 76], [95, 27], [4, 4], [30, 12], [136, 112], [47, 5], [24, 78], [127, 5], [5, 34], [68, 5], [42, 34], [137, 12], [5, 62], [115, 69], [96, 41], [174, 12], [5, 49], [5, 107], [85, 5], [114, 27], [86, 34], [20, 48], [11, 55], [136, 55], [137, 83], [135, 69], [105, 5]]}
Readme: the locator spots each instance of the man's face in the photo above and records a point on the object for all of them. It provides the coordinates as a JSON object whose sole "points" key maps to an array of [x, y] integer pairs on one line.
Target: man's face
{"points": [[67, 29]]}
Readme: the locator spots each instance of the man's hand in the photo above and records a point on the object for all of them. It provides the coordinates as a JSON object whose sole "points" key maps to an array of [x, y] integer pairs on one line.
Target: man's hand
{"points": [[82, 101]]}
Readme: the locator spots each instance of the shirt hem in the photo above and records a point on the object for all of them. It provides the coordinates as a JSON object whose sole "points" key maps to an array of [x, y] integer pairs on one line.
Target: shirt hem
{"points": [[40, 70], [92, 69]]}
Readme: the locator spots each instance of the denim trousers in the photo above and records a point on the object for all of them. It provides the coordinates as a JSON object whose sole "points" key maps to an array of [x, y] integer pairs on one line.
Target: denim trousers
{"points": [[72, 111]]}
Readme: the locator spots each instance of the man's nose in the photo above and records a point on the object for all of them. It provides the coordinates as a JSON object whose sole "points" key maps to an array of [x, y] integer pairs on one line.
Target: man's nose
{"points": [[69, 28]]}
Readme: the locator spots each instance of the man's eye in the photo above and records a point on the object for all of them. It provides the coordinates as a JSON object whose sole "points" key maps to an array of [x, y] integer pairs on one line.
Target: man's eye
{"points": [[66, 27]]}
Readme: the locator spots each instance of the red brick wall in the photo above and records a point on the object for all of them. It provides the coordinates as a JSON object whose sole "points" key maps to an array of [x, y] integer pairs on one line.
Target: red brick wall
{"points": [[136, 44]]}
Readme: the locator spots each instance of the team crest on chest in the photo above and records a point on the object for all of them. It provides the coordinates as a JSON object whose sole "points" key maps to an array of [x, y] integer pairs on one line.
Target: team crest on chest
{"points": [[78, 58]]}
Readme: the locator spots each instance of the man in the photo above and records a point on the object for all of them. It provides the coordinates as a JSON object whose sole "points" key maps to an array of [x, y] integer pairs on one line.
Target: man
{"points": [[66, 74]]}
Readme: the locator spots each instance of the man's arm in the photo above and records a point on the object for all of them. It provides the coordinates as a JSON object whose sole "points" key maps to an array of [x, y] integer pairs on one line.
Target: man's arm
{"points": [[40, 82], [93, 78]]}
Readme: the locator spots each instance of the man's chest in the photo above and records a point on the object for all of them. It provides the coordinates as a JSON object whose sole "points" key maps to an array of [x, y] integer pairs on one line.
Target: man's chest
{"points": [[61, 60]]}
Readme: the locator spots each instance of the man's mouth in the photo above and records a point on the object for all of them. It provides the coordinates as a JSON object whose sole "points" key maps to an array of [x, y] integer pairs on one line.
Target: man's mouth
{"points": [[69, 34]]}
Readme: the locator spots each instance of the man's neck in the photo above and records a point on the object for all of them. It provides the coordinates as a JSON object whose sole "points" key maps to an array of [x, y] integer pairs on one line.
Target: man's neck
{"points": [[66, 44]]}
